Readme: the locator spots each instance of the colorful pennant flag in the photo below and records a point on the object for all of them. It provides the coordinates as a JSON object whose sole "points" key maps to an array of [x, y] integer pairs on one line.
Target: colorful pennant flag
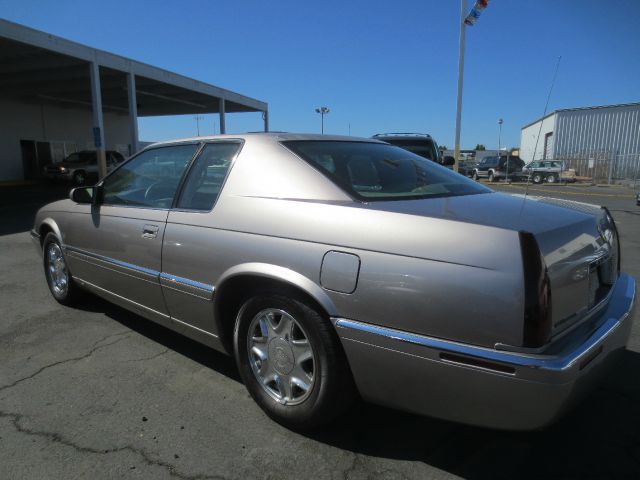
{"points": [[475, 12]]}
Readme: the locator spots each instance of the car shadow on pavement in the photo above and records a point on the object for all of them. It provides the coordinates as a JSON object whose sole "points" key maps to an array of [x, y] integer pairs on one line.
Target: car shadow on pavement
{"points": [[197, 352], [598, 439]]}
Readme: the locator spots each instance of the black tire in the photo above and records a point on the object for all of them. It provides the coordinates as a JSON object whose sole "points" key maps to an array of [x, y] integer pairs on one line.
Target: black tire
{"points": [[491, 177], [553, 178], [475, 175], [71, 294], [79, 178], [332, 390], [537, 178]]}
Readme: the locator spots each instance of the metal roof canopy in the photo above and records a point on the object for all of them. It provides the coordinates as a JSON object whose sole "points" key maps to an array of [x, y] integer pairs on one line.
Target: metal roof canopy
{"points": [[37, 66]]}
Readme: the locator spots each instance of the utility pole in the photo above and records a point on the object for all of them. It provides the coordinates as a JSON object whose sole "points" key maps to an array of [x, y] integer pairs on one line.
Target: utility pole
{"points": [[322, 111], [198, 118]]}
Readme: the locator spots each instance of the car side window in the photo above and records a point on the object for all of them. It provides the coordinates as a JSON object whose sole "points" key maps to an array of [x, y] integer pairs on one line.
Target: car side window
{"points": [[150, 179], [206, 176]]}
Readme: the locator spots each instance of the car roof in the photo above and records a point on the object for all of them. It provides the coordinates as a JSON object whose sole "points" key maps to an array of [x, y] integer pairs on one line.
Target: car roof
{"points": [[403, 136], [268, 137]]}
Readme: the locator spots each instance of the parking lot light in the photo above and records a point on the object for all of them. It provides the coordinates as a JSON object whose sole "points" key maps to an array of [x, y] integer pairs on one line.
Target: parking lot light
{"points": [[322, 111]]}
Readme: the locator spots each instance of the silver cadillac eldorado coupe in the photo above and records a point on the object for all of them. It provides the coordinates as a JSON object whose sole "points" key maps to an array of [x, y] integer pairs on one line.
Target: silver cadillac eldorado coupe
{"points": [[336, 266]]}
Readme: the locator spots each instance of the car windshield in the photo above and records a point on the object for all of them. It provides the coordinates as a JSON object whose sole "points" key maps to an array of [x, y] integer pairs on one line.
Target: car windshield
{"points": [[377, 171]]}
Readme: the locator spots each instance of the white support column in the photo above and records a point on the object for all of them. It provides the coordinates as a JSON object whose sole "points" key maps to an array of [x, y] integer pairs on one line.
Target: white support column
{"points": [[98, 123], [133, 111], [223, 127], [265, 117]]}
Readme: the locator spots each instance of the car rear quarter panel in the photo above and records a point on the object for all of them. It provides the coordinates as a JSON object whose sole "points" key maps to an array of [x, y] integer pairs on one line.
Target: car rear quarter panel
{"points": [[415, 274]]}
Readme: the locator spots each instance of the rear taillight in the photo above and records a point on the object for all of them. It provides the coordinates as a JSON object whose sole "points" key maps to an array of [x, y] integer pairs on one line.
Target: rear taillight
{"points": [[616, 237], [537, 294]]}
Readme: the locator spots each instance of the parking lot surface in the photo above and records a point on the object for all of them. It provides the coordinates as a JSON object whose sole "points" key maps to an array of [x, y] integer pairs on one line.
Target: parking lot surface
{"points": [[98, 392]]}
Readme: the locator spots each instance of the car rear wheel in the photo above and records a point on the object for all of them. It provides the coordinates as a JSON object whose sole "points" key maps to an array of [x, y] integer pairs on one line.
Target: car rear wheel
{"points": [[291, 361], [492, 177], [552, 178], [79, 178], [475, 175], [536, 178], [59, 278]]}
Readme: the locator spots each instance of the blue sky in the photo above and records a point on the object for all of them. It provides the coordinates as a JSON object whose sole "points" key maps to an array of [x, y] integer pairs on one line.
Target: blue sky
{"points": [[379, 66]]}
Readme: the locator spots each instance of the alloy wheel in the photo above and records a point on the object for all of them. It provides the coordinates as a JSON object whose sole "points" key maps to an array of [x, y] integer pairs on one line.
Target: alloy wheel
{"points": [[57, 270], [281, 356]]}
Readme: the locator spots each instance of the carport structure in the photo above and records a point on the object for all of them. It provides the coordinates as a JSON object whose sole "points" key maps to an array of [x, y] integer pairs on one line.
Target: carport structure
{"points": [[37, 68]]}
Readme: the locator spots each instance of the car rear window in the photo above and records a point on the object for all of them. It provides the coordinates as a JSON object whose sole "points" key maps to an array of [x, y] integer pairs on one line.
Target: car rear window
{"points": [[377, 171]]}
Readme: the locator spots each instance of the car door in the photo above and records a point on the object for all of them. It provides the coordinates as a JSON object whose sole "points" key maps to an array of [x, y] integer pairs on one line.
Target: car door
{"points": [[190, 243], [116, 246]]}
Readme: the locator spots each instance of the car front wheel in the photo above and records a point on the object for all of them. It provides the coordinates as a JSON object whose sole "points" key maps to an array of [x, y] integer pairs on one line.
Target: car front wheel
{"points": [[536, 178], [59, 278], [291, 361], [475, 175]]}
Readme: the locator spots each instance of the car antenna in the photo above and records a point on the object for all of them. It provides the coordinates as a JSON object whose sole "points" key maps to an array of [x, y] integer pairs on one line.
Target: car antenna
{"points": [[535, 148]]}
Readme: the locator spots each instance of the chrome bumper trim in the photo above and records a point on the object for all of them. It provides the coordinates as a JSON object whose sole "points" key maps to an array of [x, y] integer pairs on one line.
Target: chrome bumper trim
{"points": [[35, 239], [554, 363]]}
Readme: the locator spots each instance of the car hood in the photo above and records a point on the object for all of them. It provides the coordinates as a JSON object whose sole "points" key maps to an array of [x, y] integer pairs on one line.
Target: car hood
{"points": [[512, 212]]}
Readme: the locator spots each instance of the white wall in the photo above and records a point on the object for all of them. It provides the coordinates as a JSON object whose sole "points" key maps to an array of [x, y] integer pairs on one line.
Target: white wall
{"points": [[529, 135], [51, 123]]}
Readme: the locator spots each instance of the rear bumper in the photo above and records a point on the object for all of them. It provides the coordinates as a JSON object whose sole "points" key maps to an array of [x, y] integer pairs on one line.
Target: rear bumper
{"points": [[483, 386]]}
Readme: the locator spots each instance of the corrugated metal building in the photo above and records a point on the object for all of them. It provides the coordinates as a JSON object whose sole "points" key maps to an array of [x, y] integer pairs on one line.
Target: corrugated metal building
{"points": [[601, 142]]}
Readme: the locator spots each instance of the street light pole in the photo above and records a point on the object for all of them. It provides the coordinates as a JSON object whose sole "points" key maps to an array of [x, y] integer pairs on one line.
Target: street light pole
{"points": [[456, 147], [322, 111], [506, 178]]}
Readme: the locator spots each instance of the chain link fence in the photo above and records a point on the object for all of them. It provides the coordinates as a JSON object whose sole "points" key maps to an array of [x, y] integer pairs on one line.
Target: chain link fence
{"points": [[605, 167]]}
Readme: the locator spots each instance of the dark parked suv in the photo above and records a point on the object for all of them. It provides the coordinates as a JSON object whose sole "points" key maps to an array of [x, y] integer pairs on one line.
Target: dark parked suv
{"points": [[418, 143], [495, 168], [80, 167]]}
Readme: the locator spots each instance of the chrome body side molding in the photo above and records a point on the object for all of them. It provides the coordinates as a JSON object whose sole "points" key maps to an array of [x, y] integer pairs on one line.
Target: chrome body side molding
{"points": [[185, 285], [180, 284]]}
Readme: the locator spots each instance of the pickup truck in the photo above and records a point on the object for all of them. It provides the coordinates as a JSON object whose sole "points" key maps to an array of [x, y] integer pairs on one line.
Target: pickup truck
{"points": [[549, 171]]}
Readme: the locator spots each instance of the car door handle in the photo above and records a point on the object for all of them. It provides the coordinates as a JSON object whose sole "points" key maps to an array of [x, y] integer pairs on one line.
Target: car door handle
{"points": [[149, 231]]}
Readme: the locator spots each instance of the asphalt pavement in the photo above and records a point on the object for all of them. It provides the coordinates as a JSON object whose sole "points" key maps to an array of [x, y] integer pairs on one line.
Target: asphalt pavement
{"points": [[97, 392]]}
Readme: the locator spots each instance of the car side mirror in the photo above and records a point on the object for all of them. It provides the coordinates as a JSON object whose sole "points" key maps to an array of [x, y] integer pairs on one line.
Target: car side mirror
{"points": [[82, 194], [448, 161], [86, 195]]}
